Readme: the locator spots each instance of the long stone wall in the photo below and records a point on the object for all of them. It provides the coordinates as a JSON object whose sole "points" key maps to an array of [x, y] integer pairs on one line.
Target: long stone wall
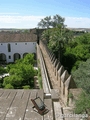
{"points": [[59, 77], [45, 80]]}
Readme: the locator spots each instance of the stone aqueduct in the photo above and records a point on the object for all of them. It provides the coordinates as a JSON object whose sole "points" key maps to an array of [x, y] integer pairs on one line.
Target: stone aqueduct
{"points": [[54, 76]]}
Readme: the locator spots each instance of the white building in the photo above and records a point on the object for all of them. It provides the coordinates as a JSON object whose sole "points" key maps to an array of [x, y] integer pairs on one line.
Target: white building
{"points": [[15, 45]]}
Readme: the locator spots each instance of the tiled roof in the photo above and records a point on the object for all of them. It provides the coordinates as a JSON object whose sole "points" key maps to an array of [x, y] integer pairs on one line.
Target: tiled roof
{"points": [[18, 37]]}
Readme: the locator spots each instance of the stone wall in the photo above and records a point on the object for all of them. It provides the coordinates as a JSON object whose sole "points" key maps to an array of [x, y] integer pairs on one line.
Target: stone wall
{"points": [[62, 77], [45, 81]]}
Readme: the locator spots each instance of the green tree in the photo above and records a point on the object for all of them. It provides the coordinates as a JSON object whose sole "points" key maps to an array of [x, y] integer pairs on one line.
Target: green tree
{"points": [[57, 41], [82, 76], [45, 23], [21, 73], [58, 20], [13, 80], [82, 104], [79, 49], [28, 59], [2, 70], [49, 22]]}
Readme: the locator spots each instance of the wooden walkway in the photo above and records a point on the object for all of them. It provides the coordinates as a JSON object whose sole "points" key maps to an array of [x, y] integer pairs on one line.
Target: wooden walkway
{"points": [[17, 105]]}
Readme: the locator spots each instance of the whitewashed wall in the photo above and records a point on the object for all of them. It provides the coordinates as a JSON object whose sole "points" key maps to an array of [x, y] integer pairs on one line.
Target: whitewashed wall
{"points": [[17, 47]]}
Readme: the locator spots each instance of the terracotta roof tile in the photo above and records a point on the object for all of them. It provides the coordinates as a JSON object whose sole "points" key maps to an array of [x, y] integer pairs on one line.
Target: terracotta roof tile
{"points": [[17, 37]]}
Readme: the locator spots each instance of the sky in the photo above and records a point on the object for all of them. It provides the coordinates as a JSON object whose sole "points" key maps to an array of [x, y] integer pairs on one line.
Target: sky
{"points": [[27, 13]]}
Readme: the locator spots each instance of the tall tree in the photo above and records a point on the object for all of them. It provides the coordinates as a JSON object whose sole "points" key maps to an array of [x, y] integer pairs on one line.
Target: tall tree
{"points": [[49, 21], [56, 41], [45, 23], [58, 20]]}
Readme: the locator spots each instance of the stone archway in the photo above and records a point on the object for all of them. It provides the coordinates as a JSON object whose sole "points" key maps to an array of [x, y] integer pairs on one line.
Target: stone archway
{"points": [[24, 54], [17, 56], [2, 58]]}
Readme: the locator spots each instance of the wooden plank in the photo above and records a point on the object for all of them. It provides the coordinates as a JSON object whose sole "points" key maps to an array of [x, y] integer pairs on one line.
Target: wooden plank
{"points": [[5, 94], [30, 113], [57, 111], [5, 103], [49, 115], [21, 110], [1, 92], [14, 106]]}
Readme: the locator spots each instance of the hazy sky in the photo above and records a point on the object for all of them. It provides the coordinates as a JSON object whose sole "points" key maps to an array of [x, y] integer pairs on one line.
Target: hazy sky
{"points": [[27, 13]]}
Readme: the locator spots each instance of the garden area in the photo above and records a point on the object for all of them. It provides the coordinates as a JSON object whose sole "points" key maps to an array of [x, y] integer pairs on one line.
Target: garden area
{"points": [[21, 74]]}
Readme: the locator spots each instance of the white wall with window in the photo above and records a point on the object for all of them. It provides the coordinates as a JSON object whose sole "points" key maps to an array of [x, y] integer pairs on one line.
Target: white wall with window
{"points": [[15, 50]]}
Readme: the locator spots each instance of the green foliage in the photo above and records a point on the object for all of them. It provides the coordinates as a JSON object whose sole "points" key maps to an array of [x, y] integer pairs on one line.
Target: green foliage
{"points": [[13, 80], [82, 104], [26, 87], [1, 82], [46, 35], [82, 76], [9, 86], [21, 73], [79, 48], [46, 22], [57, 20], [49, 21], [28, 59], [57, 38], [2, 70], [39, 78]]}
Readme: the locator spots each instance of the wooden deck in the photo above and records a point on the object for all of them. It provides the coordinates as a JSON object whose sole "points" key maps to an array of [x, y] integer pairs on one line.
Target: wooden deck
{"points": [[17, 105]]}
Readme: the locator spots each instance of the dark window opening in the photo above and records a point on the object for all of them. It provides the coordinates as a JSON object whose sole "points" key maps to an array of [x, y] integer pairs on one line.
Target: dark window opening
{"points": [[15, 43], [9, 48], [25, 43], [9, 57]]}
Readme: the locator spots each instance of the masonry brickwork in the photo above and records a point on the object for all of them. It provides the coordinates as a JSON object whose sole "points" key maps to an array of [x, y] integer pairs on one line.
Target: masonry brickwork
{"points": [[59, 78]]}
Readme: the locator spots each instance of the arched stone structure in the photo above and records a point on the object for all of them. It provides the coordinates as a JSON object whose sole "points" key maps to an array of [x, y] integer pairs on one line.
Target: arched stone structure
{"points": [[16, 56], [24, 54], [2, 58]]}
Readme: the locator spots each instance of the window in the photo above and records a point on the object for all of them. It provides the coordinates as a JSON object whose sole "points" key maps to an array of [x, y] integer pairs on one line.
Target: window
{"points": [[9, 57], [15, 43], [1, 44], [9, 48], [25, 43]]}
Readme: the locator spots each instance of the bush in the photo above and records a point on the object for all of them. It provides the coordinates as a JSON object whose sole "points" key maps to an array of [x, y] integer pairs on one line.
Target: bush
{"points": [[26, 87], [2, 70], [82, 104], [9, 86], [82, 76]]}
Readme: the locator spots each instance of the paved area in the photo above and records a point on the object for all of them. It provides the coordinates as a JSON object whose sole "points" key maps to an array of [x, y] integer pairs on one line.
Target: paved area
{"points": [[17, 105]]}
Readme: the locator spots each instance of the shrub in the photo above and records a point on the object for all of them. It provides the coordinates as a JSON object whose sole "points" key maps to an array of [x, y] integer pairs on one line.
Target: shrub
{"points": [[82, 104], [9, 86], [26, 87]]}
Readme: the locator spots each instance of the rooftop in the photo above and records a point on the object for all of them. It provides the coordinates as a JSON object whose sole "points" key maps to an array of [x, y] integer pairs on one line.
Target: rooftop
{"points": [[18, 36], [17, 105]]}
